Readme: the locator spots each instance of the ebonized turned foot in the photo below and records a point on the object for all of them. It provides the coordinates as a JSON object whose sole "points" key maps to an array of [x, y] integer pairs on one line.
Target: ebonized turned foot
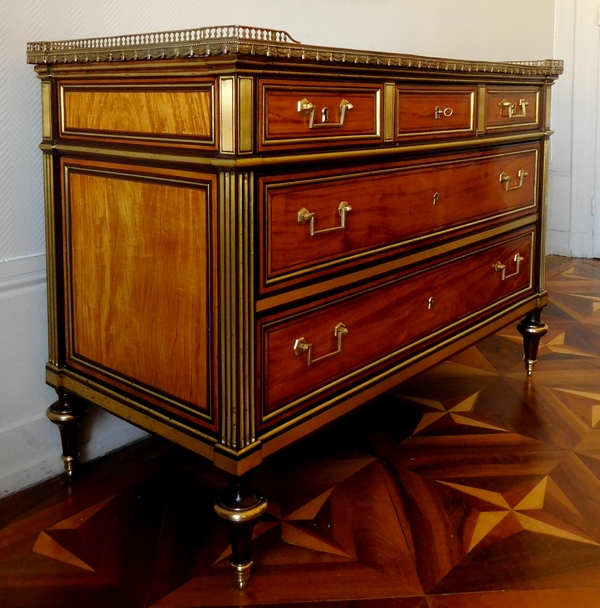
{"points": [[241, 507], [67, 413], [532, 329]]}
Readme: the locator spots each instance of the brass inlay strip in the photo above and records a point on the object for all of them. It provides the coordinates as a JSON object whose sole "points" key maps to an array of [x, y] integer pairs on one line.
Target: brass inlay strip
{"points": [[275, 438], [227, 114], [548, 106], [46, 109], [544, 203], [51, 278], [268, 161], [246, 113], [389, 98], [336, 283], [394, 354], [481, 108]]}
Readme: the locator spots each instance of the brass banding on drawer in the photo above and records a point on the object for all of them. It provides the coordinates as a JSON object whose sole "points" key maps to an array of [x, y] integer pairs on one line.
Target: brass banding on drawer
{"points": [[308, 228], [293, 115], [439, 112], [421, 306]]}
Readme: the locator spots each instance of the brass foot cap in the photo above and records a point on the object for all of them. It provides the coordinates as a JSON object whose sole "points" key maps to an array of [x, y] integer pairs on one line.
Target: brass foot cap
{"points": [[529, 367], [242, 574]]}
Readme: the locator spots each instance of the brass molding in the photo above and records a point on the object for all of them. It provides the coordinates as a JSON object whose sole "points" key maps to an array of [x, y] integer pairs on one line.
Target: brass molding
{"points": [[389, 99], [46, 109], [270, 161], [51, 245], [138, 414], [239, 516], [227, 112], [245, 114], [235, 219], [481, 108], [249, 41]]}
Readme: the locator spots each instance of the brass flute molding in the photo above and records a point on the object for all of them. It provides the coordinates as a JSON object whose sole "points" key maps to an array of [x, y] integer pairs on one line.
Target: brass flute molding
{"points": [[236, 307], [245, 40]]}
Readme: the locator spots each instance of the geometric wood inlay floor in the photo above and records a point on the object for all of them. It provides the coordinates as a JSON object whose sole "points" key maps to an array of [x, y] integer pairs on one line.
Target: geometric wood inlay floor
{"points": [[467, 487]]}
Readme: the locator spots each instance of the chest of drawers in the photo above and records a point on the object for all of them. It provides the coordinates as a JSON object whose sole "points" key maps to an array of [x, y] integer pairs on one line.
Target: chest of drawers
{"points": [[249, 237]]}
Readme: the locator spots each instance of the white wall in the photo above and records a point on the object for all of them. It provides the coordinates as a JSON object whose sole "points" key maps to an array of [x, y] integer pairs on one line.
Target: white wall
{"points": [[574, 207], [469, 29]]}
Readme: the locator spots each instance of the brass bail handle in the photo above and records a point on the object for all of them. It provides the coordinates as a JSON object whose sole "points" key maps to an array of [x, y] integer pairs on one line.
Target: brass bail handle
{"points": [[306, 108], [499, 266], [301, 346], [505, 179], [304, 215], [509, 109]]}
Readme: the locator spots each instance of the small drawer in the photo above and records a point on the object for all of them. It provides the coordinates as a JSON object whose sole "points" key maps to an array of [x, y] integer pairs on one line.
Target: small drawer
{"points": [[139, 113], [297, 115], [509, 108], [308, 352], [315, 222], [435, 112]]}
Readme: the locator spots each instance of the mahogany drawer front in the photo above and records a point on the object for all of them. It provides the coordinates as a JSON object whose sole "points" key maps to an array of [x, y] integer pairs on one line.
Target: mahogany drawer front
{"points": [[367, 328], [435, 112], [297, 115], [139, 113], [388, 207], [508, 108]]}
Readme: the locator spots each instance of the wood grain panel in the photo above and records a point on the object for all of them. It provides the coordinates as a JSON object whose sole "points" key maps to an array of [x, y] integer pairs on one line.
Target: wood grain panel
{"points": [[416, 111], [139, 288], [389, 206], [184, 113], [459, 288]]}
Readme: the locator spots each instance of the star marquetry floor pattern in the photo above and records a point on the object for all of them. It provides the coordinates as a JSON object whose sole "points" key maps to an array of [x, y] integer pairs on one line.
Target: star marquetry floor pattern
{"points": [[467, 487]]}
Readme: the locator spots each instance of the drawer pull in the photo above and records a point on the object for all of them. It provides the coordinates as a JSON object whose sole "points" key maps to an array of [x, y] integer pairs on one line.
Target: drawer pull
{"points": [[308, 109], [436, 199], [304, 215], [430, 303], [438, 112], [500, 266], [301, 346], [521, 175], [509, 110]]}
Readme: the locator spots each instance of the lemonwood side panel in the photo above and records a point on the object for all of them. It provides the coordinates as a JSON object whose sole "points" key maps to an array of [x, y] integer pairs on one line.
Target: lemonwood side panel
{"points": [[138, 290]]}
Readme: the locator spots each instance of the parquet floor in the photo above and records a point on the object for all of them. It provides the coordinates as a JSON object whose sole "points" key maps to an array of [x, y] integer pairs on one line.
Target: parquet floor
{"points": [[469, 487]]}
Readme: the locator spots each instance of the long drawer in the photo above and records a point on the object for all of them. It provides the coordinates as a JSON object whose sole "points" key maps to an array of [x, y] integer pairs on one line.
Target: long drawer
{"points": [[320, 221], [307, 351]]}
